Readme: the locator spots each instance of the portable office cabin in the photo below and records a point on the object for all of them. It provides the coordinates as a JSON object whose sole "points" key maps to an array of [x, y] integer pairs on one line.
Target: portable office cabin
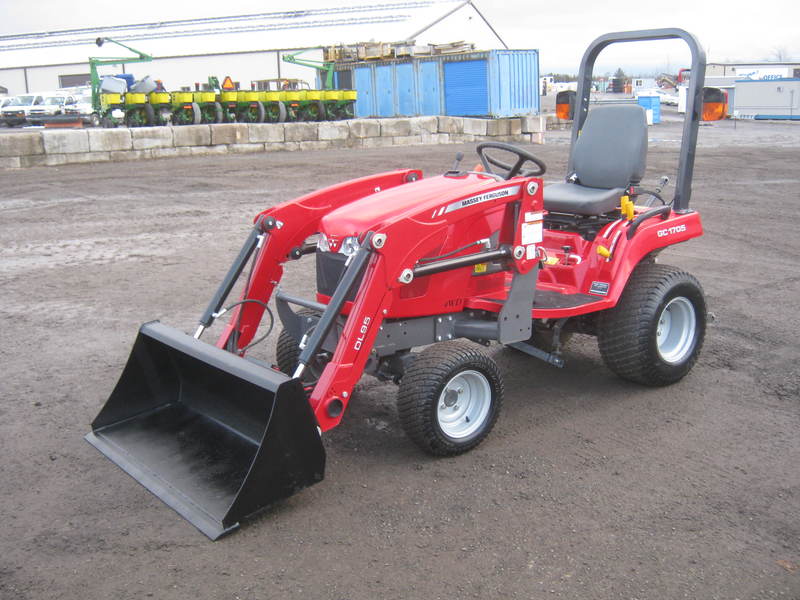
{"points": [[495, 83], [767, 99]]}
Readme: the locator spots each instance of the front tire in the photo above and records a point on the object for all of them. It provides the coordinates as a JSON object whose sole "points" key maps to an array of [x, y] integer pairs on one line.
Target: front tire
{"points": [[450, 398], [654, 334], [287, 351]]}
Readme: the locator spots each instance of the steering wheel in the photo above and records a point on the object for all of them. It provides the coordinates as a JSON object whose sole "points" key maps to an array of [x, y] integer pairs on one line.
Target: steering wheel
{"points": [[523, 156]]}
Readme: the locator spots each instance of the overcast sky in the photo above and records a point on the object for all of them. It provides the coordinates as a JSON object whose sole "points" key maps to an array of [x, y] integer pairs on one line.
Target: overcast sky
{"points": [[729, 30]]}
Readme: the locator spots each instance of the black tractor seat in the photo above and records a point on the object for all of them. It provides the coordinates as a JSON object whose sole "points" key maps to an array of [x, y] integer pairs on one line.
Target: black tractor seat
{"points": [[609, 155]]}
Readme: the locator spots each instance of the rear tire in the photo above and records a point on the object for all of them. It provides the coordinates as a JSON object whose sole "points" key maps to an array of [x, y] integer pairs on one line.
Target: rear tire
{"points": [[654, 334], [450, 398]]}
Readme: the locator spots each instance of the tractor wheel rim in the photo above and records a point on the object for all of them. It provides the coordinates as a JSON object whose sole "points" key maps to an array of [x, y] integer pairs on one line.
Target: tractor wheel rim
{"points": [[675, 330], [464, 404]]}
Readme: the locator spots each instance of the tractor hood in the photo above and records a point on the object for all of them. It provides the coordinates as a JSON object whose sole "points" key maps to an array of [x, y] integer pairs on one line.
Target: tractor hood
{"points": [[421, 199]]}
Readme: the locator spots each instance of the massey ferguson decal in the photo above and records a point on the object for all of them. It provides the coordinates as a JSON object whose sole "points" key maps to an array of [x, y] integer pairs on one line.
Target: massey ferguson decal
{"points": [[486, 197]]}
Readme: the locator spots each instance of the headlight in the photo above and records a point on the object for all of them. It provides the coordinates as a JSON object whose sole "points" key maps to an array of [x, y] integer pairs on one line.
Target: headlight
{"points": [[349, 246]]}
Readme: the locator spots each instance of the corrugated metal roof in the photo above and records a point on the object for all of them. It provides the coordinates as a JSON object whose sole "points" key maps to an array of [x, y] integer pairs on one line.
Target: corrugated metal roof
{"points": [[388, 22]]}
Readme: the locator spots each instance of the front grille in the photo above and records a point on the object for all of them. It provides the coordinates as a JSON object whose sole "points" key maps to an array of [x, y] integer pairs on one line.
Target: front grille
{"points": [[330, 268]]}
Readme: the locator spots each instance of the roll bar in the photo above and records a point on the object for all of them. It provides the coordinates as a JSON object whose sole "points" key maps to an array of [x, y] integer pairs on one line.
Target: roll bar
{"points": [[694, 105]]}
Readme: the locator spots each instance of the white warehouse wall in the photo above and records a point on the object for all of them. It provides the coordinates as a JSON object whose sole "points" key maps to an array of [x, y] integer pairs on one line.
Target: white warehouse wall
{"points": [[175, 72]]}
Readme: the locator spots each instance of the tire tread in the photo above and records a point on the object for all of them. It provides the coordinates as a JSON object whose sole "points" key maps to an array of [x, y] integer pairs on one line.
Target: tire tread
{"points": [[424, 378], [624, 331]]}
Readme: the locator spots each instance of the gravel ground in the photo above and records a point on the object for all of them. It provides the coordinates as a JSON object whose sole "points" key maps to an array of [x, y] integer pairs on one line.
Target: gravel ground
{"points": [[588, 487]]}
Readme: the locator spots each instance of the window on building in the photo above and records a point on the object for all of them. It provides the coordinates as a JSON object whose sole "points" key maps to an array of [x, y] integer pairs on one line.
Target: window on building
{"points": [[73, 80]]}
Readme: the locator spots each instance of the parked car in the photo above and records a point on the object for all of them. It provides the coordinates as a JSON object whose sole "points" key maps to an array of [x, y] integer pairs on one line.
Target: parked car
{"points": [[82, 108], [16, 113], [52, 106], [664, 96]]}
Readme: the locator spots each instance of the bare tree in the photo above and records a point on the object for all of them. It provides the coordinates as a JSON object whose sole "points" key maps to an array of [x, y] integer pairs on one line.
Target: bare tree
{"points": [[779, 54]]}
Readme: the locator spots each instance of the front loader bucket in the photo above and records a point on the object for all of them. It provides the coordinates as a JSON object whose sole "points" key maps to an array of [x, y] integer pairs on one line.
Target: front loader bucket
{"points": [[215, 436]]}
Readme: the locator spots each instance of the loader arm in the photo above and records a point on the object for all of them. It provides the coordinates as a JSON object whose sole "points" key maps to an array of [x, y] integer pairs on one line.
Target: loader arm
{"points": [[295, 221]]}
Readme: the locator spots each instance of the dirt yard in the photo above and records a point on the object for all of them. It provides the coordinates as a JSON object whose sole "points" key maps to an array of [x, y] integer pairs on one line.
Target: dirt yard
{"points": [[589, 487]]}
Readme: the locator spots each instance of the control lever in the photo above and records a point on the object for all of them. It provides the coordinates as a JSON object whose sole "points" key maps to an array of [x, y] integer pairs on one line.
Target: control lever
{"points": [[454, 172], [459, 158]]}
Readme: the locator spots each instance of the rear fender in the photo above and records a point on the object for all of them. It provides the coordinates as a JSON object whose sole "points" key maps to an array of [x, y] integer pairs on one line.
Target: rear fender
{"points": [[653, 234]]}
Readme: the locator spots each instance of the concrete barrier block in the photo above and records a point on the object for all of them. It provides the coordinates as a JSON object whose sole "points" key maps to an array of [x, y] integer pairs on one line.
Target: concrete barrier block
{"points": [[435, 138], [498, 127], [21, 144], [106, 140], [352, 143], [377, 142], [533, 124], [407, 140], [514, 126], [191, 135], [266, 132], [333, 130], [207, 150], [86, 157], [462, 138], [145, 138], [301, 132], [282, 147], [450, 124], [65, 142], [229, 133], [55, 160], [120, 155], [421, 125], [475, 126], [364, 128], [315, 145], [10, 162], [164, 152], [395, 127], [245, 148], [33, 160], [63, 158], [511, 139]]}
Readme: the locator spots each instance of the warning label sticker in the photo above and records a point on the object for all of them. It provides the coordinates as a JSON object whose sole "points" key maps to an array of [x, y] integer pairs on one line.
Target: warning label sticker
{"points": [[532, 233]]}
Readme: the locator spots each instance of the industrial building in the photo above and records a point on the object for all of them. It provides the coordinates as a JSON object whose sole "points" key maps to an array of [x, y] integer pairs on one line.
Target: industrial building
{"points": [[244, 47]]}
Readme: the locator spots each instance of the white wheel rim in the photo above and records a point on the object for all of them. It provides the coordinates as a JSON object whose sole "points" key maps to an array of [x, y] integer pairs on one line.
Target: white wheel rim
{"points": [[675, 330], [464, 404]]}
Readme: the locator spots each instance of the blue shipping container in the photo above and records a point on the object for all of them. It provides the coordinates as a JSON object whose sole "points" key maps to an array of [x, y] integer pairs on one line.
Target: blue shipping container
{"points": [[497, 83]]}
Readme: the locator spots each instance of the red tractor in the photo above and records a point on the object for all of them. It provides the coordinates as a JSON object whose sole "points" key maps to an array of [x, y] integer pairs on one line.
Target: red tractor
{"points": [[402, 262]]}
